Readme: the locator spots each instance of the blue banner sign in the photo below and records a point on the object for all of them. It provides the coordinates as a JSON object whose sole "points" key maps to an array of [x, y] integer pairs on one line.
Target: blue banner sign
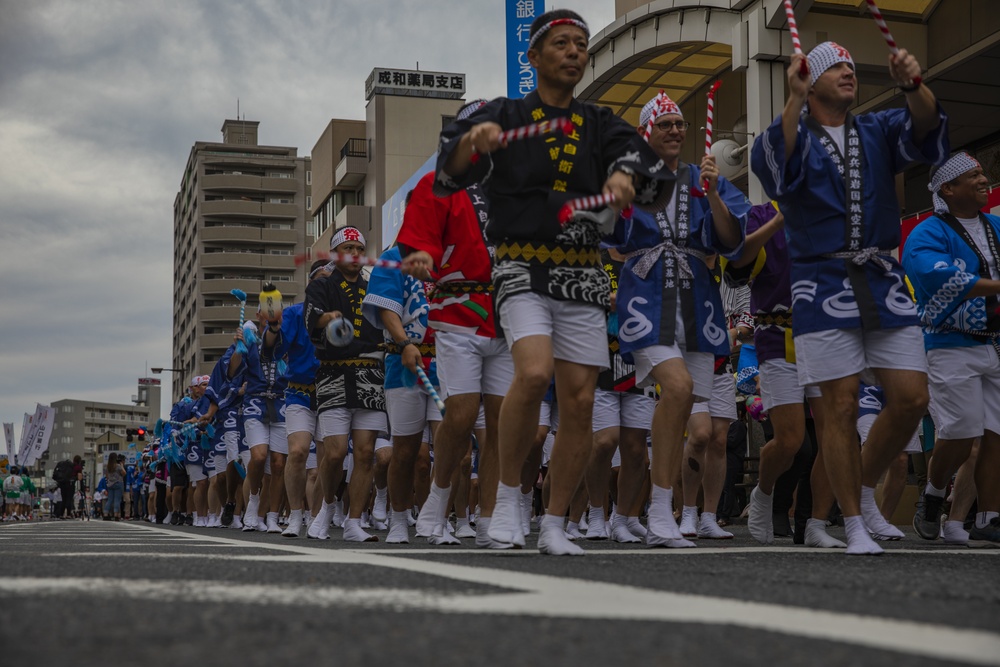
{"points": [[521, 76]]}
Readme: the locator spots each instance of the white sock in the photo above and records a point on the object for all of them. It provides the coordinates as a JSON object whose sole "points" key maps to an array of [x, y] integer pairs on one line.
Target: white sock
{"points": [[932, 490], [381, 493], [983, 518], [868, 497]]}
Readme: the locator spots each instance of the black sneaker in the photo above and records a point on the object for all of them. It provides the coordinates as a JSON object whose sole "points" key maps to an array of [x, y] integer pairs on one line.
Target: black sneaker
{"points": [[177, 519], [189, 520], [227, 514], [991, 533], [927, 519]]}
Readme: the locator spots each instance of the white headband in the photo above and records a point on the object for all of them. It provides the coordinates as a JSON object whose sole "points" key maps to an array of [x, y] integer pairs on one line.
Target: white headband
{"points": [[552, 24], [826, 55], [660, 105], [345, 234], [956, 165]]}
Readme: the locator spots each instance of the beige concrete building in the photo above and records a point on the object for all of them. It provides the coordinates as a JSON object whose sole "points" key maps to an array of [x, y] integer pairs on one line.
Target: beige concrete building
{"points": [[90, 428], [359, 166], [239, 220]]}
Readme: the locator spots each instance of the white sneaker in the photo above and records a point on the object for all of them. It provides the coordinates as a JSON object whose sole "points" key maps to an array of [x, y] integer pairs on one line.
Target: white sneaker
{"points": [[294, 528], [759, 520], [262, 525], [411, 518], [353, 532], [431, 514], [319, 529], [464, 530], [689, 521], [237, 523], [379, 525], [635, 527], [272, 523], [250, 515], [552, 539], [817, 537], [399, 529], [572, 530], [596, 529], [166, 520], [527, 507], [881, 529], [338, 517], [709, 529], [443, 537], [379, 508], [620, 532], [483, 540], [506, 524]]}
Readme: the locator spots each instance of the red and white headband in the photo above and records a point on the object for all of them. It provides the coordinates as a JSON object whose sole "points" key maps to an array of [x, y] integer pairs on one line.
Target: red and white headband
{"points": [[345, 234], [660, 105], [552, 24]]}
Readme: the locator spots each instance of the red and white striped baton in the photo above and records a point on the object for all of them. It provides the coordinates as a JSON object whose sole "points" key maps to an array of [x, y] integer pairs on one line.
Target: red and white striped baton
{"points": [[708, 124], [877, 15], [793, 28]]}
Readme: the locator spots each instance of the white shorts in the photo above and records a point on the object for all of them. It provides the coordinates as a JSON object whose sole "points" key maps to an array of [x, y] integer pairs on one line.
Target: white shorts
{"points": [[410, 409], [382, 443], [701, 366], [578, 330], [480, 418], [723, 401], [839, 353], [244, 457], [299, 419], [469, 364], [311, 460], [545, 414], [965, 391], [613, 409], [232, 440], [865, 426], [258, 433], [616, 458], [341, 421], [550, 440], [779, 384], [195, 472], [219, 463], [428, 437]]}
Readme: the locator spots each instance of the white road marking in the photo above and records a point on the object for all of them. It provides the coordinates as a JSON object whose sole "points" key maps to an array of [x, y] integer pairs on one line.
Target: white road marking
{"points": [[548, 596]]}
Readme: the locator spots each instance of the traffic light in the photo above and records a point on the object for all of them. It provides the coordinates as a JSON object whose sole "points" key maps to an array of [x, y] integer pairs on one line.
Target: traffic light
{"points": [[129, 434], [141, 433]]}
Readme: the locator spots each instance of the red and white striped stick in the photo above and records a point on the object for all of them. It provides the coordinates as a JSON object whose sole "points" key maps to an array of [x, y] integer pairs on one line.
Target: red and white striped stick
{"points": [[347, 258], [793, 28], [584, 204], [708, 124], [877, 15], [564, 125]]}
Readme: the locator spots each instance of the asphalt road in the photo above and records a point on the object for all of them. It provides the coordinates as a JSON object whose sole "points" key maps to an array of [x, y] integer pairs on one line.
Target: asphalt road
{"points": [[97, 593]]}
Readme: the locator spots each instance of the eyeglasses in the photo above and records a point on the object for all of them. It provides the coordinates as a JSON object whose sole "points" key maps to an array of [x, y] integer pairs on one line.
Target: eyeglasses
{"points": [[679, 125]]}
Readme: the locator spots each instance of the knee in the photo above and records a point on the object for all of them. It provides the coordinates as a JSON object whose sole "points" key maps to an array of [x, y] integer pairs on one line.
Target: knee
{"points": [[532, 383], [383, 457], [913, 402]]}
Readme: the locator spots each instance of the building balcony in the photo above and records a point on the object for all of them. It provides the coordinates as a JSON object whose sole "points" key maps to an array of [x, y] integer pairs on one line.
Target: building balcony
{"points": [[280, 262], [280, 236], [241, 234], [289, 211], [285, 185], [353, 165], [217, 341], [354, 216], [221, 313], [232, 207], [225, 286], [244, 260], [235, 182]]}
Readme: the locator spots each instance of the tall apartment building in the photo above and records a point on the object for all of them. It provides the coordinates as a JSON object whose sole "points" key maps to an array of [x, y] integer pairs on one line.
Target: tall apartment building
{"points": [[359, 166], [239, 220]]}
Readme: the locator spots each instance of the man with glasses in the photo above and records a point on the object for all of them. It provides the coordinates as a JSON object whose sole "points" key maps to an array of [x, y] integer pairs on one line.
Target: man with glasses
{"points": [[672, 324]]}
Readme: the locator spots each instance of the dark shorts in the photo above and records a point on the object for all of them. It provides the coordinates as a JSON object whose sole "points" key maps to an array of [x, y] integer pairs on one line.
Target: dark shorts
{"points": [[178, 476]]}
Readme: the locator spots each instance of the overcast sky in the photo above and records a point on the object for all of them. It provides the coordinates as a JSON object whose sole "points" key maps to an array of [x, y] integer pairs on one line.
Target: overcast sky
{"points": [[100, 103]]}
